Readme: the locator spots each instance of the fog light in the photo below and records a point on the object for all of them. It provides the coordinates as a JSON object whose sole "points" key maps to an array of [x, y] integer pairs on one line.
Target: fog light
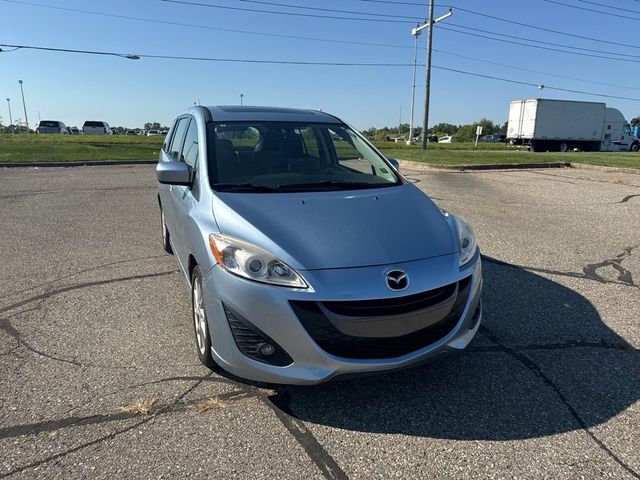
{"points": [[266, 350]]}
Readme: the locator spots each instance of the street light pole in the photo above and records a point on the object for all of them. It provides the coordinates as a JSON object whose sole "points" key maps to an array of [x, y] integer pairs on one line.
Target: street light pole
{"points": [[10, 117], [241, 97], [24, 106], [429, 25]]}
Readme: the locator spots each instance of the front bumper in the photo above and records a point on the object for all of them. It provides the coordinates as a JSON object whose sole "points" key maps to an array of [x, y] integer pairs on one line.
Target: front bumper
{"points": [[271, 310]]}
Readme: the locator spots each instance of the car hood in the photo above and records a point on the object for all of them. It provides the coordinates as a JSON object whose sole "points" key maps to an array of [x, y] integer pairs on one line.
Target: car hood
{"points": [[338, 229]]}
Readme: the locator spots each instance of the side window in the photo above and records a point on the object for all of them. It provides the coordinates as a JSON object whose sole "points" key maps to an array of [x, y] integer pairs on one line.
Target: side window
{"points": [[190, 149], [176, 142]]}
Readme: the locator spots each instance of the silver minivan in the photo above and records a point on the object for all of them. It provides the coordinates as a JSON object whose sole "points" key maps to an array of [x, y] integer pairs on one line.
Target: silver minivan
{"points": [[308, 256], [93, 127], [52, 126]]}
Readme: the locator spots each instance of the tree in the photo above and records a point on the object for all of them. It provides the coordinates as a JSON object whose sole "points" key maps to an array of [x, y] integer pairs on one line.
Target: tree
{"points": [[152, 126], [446, 128], [466, 133]]}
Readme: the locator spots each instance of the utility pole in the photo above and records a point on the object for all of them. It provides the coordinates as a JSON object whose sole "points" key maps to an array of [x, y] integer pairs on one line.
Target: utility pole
{"points": [[416, 33], [241, 97], [24, 106], [10, 117], [427, 91], [429, 25]]}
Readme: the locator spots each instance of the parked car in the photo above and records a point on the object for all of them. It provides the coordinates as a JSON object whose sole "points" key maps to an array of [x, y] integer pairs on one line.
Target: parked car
{"points": [[446, 139], [52, 126], [300, 267], [92, 127], [153, 133], [74, 131], [494, 138], [131, 132]]}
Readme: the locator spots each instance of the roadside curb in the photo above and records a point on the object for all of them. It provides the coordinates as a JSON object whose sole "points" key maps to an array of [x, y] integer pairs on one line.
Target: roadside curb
{"points": [[604, 168], [497, 166], [507, 166], [87, 163]]}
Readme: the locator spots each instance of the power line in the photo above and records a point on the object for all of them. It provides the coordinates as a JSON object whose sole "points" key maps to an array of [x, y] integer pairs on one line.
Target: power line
{"points": [[522, 24], [603, 5], [555, 44], [512, 42], [130, 56], [617, 15], [204, 59], [207, 27], [504, 65], [491, 77], [308, 63], [350, 12], [544, 29], [299, 37], [272, 12]]}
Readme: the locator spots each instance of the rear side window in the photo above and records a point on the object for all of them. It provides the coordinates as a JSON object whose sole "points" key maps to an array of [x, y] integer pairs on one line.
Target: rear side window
{"points": [[176, 143], [190, 148]]}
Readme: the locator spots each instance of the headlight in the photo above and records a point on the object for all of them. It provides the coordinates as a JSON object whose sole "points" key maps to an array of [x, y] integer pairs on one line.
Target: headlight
{"points": [[466, 240], [251, 262]]}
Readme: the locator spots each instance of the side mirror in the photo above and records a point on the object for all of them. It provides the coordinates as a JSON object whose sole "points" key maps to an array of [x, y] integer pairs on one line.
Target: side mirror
{"points": [[394, 162], [173, 173]]}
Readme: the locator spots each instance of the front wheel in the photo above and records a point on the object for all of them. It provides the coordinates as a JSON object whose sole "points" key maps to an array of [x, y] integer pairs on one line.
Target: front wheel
{"points": [[564, 147], [200, 324], [635, 146]]}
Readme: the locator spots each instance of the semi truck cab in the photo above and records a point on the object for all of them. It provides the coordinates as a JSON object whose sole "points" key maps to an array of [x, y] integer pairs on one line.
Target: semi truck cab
{"points": [[617, 135]]}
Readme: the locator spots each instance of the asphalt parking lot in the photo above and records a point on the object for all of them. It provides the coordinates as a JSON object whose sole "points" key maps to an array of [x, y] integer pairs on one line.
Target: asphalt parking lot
{"points": [[94, 317]]}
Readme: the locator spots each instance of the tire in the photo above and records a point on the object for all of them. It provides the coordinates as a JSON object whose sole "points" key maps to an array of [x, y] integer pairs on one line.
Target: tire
{"points": [[563, 147], [635, 146], [200, 323], [166, 238]]}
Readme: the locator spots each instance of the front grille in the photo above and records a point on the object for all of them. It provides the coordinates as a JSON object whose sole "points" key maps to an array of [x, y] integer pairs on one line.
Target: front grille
{"points": [[339, 344], [391, 306]]}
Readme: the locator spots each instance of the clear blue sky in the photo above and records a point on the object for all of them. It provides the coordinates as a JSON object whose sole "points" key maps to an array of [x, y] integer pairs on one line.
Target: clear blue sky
{"points": [[74, 88]]}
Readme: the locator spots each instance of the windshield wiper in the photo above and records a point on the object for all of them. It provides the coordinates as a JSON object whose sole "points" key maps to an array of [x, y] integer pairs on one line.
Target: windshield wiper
{"points": [[326, 184], [243, 187]]}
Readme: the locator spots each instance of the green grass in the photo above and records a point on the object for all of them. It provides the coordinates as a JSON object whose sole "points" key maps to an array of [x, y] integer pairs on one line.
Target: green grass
{"points": [[47, 148], [457, 154], [62, 148]]}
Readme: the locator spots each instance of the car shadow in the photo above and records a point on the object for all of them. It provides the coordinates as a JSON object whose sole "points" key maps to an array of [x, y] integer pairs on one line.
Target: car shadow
{"points": [[542, 363]]}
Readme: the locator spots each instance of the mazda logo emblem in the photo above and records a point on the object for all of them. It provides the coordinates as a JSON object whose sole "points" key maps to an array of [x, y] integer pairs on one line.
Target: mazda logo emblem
{"points": [[397, 280]]}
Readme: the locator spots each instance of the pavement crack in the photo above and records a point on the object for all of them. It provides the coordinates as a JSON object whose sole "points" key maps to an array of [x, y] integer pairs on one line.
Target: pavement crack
{"points": [[305, 438], [621, 345], [533, 367], [589, 271], [627, 198], [69, 288], [108, 436], [85, 270]]}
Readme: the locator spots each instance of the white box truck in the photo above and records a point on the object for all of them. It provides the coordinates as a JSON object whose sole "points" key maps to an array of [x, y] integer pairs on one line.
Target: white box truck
{"points": [[561, 125]]}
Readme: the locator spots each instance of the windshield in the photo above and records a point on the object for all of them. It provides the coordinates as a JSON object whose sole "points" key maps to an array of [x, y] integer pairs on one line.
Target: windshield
{"points": [[269, 157]]}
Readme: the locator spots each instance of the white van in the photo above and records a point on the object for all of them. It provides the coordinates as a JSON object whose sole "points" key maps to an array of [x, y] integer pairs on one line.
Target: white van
{"points": [[96, 128]]}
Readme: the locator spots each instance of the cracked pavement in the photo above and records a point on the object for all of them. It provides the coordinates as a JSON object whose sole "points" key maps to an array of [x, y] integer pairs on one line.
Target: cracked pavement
{"points": [[94, 317]]}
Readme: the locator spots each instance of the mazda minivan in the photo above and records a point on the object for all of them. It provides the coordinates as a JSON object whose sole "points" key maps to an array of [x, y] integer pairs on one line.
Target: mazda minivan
{"points": [[307, 255]]}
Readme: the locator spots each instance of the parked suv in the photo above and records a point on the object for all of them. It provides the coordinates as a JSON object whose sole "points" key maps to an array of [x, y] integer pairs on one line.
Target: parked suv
{"points": [[91, 127], [52, 126], [304, 264]]}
